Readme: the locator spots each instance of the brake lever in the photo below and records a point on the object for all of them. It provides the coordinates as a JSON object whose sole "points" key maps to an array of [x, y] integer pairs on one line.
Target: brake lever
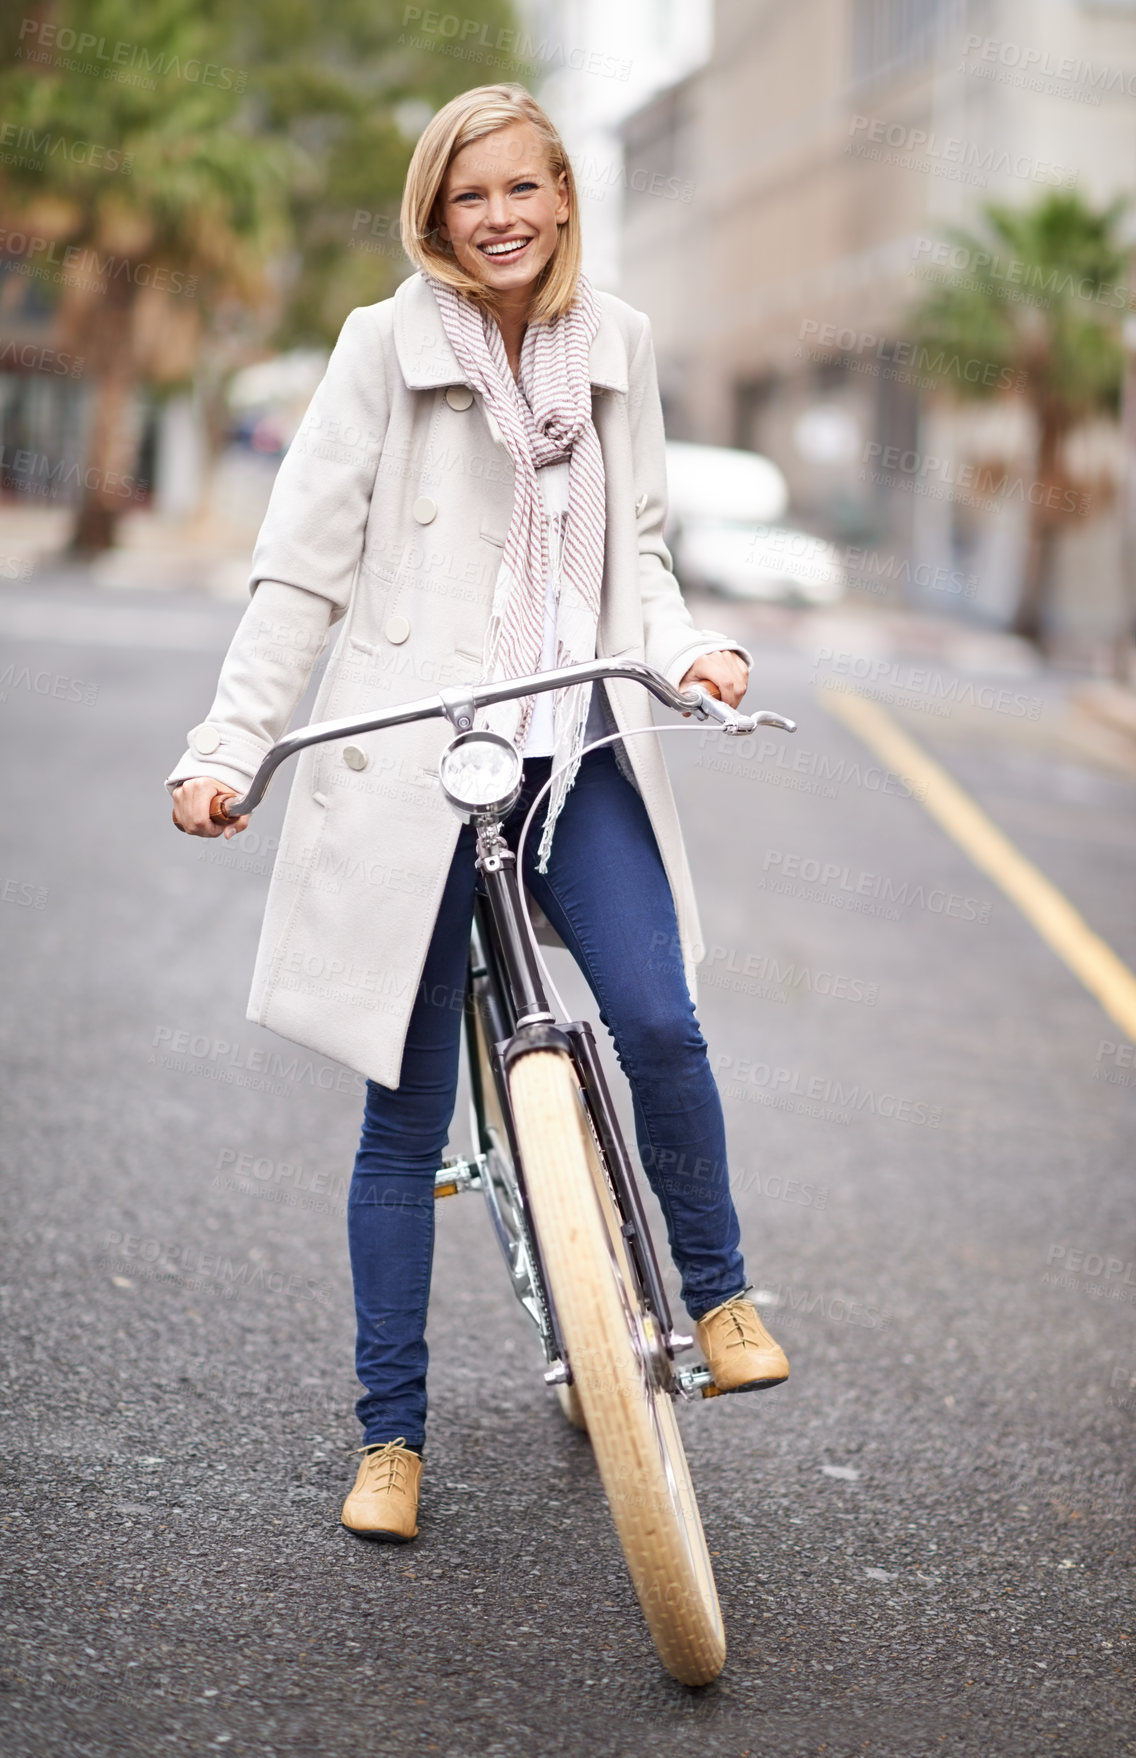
{"points": [[706, 707]]}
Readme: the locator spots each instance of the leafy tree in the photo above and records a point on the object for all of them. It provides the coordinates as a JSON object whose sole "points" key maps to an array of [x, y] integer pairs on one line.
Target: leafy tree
{"points": [[1039, 300], [157, 199], [350, 84], [210, 175]]}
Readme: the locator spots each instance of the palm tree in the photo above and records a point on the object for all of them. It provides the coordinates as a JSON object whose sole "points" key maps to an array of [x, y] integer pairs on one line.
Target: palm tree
{"points": [[1039, 301]]}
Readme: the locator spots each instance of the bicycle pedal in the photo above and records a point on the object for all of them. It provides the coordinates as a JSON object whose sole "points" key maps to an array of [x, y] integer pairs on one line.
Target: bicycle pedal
{"points": [[459, 1175], [697, 1379]]}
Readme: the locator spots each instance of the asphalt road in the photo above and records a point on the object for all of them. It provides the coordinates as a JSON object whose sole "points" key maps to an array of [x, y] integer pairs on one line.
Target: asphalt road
{"points": [[922, 1542]]}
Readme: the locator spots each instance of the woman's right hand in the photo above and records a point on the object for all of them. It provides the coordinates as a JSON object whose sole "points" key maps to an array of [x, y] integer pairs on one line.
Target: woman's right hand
{"points": [[192, 800]]}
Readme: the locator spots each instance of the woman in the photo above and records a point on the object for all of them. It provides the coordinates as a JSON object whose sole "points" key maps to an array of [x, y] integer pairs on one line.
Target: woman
{"points": [[478, 490]]}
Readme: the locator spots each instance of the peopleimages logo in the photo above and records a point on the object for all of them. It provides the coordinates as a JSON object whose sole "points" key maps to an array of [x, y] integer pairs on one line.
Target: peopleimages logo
{"points": [[790, 1301], [872, 570], [597, 176], [236, 1064], [288, 1183], [1090, 1272], [817, 772], [1028, 60], [1015, 272], [75, 265], [46, 683], [62, 478], [1113, 1063], [742, 1077], [40, 147], [35, 358], [43, 42], [202, 1269], [934, 364], [910, 680], [836, 882], [951, 155], [23, 892], [942, 478], [473, 39], [764, 974]]}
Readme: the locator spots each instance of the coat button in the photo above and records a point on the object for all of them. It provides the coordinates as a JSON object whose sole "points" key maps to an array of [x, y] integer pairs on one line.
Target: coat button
{"points": [[424, 509], [459, 396], [354, 757], [397, 630], [205, 740]]}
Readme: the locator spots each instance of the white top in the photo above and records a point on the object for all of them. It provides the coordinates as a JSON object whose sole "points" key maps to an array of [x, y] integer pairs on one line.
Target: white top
{"points": [[541, 741]]}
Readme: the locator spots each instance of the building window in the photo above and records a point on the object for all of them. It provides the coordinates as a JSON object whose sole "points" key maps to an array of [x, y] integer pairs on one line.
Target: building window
{"points": [[888, 35]]}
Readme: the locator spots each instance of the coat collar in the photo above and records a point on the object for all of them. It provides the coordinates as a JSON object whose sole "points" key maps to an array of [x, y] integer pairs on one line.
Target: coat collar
{"points": [[426, 358]]}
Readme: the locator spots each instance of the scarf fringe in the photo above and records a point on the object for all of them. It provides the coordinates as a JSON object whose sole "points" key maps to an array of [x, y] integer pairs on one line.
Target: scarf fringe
{"points": [[571, 720]]}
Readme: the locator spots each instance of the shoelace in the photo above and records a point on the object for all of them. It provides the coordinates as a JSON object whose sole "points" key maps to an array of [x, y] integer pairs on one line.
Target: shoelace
{"points": [[389, 1458], [740, 1339]]}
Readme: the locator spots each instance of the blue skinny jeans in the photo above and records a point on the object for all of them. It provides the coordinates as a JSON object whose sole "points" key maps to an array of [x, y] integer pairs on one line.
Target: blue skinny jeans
{"points": [[607, 896]]}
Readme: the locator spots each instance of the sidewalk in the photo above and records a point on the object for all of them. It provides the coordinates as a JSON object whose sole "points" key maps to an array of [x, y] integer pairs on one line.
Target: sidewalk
{"points": [[207, 552]]}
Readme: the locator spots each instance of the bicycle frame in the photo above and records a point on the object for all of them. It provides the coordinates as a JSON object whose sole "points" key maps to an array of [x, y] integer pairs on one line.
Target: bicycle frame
{"points": [[506, 987]]}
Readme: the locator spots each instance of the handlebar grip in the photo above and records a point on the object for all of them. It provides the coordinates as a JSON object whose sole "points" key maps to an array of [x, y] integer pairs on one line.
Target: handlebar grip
{"points": [[217, 812], [732, 720]]}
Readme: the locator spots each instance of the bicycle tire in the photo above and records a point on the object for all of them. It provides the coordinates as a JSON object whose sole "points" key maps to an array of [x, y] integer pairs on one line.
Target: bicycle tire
{"points": [[493, 1141], [571, 1408], [630, 1418]]}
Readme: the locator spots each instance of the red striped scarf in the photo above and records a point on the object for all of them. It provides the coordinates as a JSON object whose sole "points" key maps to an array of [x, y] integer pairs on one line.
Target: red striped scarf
{"points": [[543, 419]]}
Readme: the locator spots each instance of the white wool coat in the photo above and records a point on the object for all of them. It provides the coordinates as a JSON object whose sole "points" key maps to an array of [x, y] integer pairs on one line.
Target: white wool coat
{"points": [[386, 525]]}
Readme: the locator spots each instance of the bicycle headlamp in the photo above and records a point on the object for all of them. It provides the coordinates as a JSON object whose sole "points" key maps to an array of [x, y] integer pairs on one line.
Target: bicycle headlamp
{"points": [[481, 772]]}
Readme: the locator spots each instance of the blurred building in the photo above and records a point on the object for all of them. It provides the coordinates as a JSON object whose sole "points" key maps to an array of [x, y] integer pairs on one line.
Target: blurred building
{"points": [[591, 64], [821, 150]]}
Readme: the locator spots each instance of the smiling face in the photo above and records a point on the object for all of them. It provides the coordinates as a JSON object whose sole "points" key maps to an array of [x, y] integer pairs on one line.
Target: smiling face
{"points": [[501, 207]]}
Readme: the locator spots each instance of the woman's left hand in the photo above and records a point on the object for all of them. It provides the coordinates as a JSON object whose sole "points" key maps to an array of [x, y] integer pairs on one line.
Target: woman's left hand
{"points": [[724, 674]]}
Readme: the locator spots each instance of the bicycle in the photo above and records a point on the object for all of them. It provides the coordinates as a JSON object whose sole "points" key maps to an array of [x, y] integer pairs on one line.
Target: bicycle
{"points": [[550, 1159]]}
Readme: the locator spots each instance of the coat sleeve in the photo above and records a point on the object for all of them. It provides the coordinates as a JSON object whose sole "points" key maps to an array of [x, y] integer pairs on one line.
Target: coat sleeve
{"points": [[304, 562], [672, 642]]}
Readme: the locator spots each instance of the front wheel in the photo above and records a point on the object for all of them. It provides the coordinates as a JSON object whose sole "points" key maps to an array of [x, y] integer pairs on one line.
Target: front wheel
{"points": [[629, 1416]]}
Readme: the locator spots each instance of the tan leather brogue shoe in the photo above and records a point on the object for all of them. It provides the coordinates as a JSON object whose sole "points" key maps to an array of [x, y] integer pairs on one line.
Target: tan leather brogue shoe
{"points": [[384, 1503], [739, 1351]]}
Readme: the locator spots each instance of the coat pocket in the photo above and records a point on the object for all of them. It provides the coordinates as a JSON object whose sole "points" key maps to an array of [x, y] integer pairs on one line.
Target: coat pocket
{"points": [[467, 656], [353, 685]]}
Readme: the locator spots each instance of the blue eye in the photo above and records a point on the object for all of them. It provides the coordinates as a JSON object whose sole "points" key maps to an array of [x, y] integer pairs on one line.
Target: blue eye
{"points": [[468, 195]]}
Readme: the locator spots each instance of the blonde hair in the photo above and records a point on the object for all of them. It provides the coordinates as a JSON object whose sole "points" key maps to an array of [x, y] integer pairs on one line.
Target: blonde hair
{"points": [[466, 118]]}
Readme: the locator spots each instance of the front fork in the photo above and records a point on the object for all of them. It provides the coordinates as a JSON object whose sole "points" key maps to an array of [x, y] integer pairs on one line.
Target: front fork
{"points": [[512, 985]]}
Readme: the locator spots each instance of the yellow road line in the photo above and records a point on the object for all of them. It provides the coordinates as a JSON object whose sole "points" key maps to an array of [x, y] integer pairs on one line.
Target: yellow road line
{"points": [[1059, 924]]}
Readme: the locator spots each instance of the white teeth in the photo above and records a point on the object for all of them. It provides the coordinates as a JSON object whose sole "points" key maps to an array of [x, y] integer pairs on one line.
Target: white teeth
{"points": [[503, 249]]}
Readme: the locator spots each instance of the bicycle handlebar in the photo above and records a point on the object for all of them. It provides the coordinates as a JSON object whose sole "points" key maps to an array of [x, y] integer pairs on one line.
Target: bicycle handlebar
{"points": [[459, 703]]}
